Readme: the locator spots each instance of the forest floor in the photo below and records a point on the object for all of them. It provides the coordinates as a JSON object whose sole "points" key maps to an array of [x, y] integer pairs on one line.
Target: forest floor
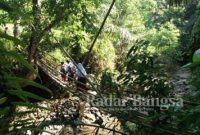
{"points": [[179, 79], [65, 109]]}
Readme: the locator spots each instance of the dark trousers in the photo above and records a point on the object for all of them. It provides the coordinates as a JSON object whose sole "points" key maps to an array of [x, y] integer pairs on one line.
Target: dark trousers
{"points": [[64, 77], [70, 77], [81, 84]]}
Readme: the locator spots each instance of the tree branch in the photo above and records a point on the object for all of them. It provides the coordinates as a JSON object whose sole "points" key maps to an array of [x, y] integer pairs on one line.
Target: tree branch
{"points": [[51, 25]]}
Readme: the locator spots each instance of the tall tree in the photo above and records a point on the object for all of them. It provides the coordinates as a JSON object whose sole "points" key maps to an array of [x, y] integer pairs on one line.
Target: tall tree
{"points": [[35, 32]]}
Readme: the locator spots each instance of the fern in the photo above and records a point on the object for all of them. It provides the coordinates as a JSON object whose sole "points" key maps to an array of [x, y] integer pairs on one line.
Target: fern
{"points": [[11, 85]]}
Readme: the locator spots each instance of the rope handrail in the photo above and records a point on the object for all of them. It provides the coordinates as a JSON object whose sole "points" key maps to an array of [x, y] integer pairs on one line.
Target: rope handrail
{"points": [[56, 72]]}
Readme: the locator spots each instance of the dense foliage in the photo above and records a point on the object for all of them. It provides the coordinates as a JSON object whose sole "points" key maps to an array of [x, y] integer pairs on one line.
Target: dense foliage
{"points": [[140, 47]]}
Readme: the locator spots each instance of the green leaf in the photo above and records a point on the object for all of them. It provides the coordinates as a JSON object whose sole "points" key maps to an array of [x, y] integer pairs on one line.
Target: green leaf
{"points": [[4, 6], [188, 65], [3, 100], [19, 58], [196, 57], [25, 94], [11, 38], [195, 60], [29, 82], [4, 111]]}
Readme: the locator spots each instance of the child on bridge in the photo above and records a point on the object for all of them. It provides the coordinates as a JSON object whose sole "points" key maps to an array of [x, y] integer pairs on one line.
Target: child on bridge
{"points": [[63, 72], [71, 70], [81, 73]]}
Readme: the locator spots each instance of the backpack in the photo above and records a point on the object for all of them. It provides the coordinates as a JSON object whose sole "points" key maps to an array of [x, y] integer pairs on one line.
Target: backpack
{"points": [[71, 70]]}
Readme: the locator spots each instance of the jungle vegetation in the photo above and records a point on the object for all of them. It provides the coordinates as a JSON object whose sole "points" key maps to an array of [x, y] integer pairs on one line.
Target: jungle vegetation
{"points": [[140, 46]]}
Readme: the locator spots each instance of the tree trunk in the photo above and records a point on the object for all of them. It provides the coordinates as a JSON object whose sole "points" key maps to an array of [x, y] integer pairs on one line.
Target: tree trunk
{"points": [[34, 39], [32, 49], [16, 29], [35, 32]]}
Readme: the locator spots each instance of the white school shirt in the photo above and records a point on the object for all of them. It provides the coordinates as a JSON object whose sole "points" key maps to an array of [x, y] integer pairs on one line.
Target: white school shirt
{"points": [[68, 65]]}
